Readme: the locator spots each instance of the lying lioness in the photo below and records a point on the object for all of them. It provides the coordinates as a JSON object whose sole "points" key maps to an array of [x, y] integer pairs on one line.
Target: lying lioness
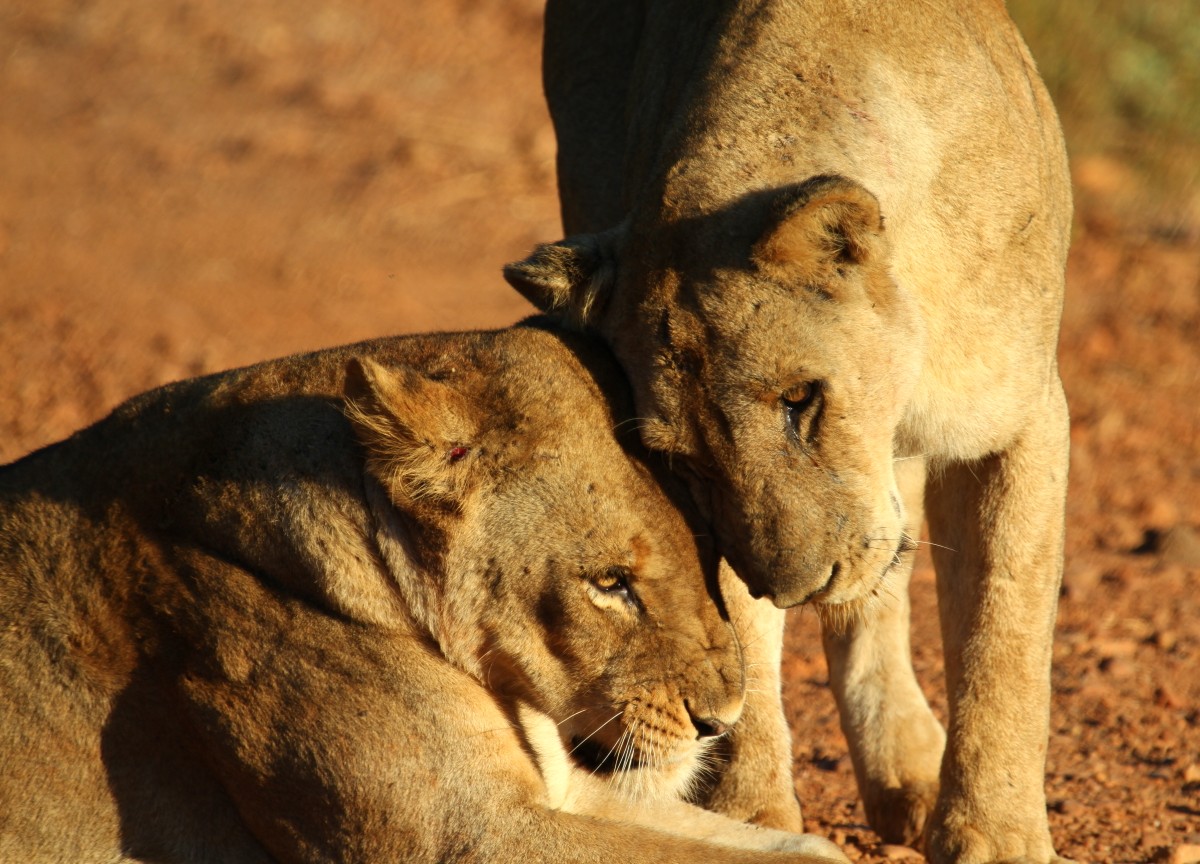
{"points": [[450, 617], [826, 240]]}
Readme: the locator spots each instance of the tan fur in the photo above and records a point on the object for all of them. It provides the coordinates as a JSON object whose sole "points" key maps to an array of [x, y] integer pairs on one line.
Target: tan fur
{"points": [[244, 619], [823, 237]]}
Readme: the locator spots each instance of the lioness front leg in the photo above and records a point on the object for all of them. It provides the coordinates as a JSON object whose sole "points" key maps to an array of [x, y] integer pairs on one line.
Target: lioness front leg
{"points": [[895, 741], [756, 784], [687, 820], [998, 523]]}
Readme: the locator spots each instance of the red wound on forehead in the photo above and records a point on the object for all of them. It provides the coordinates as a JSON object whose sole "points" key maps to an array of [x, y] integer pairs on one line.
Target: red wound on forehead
{"points": [[457, 453]]}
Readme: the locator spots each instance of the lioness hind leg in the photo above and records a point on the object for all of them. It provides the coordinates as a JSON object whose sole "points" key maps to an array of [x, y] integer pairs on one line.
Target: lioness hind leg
{"points": [[756, 784], [997, 594], [895, 741]]}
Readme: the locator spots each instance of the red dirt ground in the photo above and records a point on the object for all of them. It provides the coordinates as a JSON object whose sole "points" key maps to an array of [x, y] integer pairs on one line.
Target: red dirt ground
{"points": [[190, 186]]}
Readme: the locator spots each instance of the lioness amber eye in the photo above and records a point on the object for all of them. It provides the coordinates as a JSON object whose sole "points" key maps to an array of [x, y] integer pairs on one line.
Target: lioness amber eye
{"points": [[612, 580], [797, 401], [798, 398]]}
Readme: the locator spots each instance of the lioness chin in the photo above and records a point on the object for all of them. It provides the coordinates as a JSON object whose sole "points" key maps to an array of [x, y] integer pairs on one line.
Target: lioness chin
{"points": [[448, 616], [826, 240]]}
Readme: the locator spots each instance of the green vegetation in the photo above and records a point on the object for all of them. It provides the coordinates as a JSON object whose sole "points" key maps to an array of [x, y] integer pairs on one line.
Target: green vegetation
{"points": [[1125, 76]]}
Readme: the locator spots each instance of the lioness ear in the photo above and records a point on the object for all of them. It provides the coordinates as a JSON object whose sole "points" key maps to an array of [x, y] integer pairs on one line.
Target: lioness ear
{"points": [[573, 277], [819, 228], [417, 431]]}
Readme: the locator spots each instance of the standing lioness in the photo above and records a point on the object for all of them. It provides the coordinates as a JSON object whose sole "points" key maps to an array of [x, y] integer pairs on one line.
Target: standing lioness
{"points": [[826, 240], [231, 632]]}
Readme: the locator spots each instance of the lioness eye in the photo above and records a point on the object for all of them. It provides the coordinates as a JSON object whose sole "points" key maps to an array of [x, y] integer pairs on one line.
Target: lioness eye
{"points": [[798, 403], [615, 581], [612, 580]]}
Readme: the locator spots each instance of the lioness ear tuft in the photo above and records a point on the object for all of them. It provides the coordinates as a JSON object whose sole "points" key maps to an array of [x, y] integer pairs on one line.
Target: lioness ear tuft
{"points": [[573, 277], [416, 431], [819, 227]]}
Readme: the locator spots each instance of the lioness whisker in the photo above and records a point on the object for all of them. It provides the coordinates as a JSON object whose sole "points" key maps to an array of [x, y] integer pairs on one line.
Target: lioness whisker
{"points": [[749, 643], [624, 757], [938, 545], [593, 732], [751, 670], [614, 749], [910, 539], [649, 753], [630, 781], [569, 716], [630, 421]]}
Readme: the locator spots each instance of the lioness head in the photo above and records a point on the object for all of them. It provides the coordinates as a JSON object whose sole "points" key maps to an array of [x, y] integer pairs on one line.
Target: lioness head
{"points": [[772, 354], [550, 562]]}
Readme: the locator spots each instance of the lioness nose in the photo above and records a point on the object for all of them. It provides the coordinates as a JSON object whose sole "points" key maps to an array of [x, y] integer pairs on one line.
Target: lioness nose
{"points": [[707, 727]]}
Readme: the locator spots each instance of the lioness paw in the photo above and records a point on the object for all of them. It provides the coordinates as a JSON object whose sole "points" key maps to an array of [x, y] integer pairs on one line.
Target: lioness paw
{"points": [[969, 844], [898, 815], [810, 844]]}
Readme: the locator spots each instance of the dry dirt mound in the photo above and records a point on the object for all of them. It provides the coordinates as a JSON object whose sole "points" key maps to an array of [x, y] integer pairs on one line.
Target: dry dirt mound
{"points": [[189, 186]]}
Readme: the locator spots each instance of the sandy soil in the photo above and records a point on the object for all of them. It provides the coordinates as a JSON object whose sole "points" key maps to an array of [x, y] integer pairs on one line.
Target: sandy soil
{"points": [[187, 186]]}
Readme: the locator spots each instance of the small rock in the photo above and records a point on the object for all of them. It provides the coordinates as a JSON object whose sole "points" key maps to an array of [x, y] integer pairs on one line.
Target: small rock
{"points": [[1098, 691], [1181, 545], [1191, 774], [1156, 840], [1119, 667], [1165, 697], [1109, 649], [1068, 807], [1100, 773], [1166, 640], [1159, 512], [1171, 576], [1177, 545], [893, 852], [1124, 533], [1138, 628], [1186, 853]]}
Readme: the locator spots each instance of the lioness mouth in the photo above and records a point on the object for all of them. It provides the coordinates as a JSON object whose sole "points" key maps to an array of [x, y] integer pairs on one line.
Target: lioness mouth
{"points": [[599, 759]]}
